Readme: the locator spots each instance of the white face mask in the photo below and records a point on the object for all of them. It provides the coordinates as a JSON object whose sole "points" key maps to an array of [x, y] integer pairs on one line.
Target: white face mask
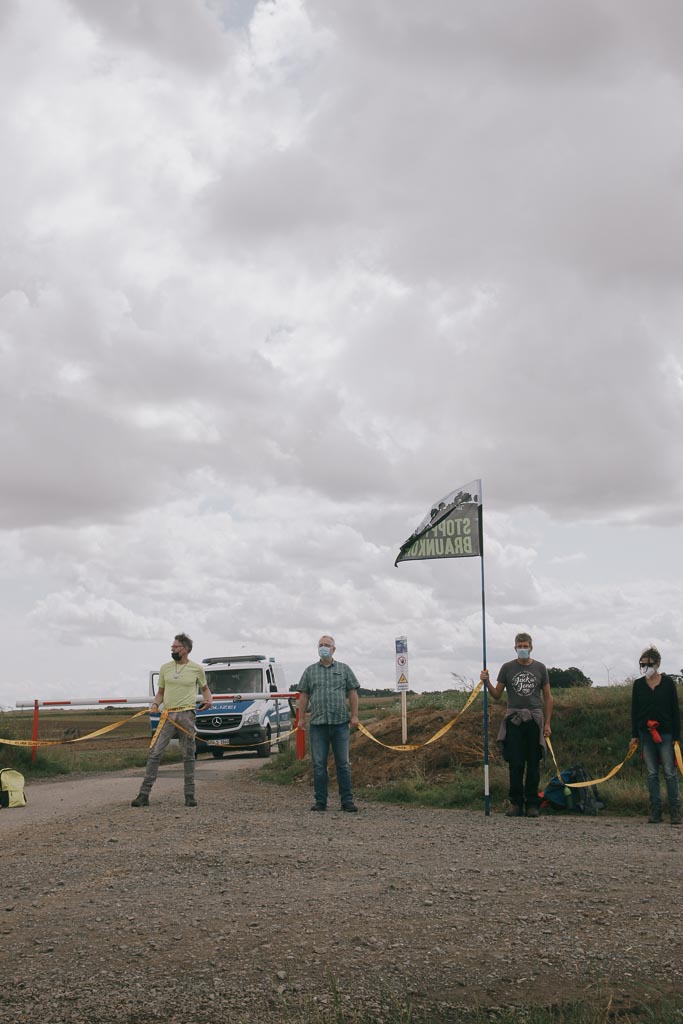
{"points": [[649, 671]]}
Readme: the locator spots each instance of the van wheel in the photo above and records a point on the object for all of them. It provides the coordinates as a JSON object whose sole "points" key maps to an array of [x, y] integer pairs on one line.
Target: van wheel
{"points": [[218, 754], [264, 749]]}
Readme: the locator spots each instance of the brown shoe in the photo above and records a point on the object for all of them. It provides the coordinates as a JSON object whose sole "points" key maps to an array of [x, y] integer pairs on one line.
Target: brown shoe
{"points": [[513, 811], [533, 812]]}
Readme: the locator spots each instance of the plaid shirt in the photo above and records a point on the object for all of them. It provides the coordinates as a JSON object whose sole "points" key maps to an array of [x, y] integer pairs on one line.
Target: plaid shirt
{"points": [[327, 689]]}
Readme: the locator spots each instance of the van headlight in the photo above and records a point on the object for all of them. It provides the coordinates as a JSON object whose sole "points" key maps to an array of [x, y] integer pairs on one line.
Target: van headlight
{"points": [[251, 716]]}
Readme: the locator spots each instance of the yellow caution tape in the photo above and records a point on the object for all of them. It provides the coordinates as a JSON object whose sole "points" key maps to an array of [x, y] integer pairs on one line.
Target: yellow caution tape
{"points": [[437, 735], [164, 718], [679, 758], [633, 746], [75, 739]]}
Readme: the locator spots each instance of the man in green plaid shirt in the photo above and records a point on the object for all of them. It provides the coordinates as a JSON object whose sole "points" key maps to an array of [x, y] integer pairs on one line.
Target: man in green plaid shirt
{"points": [[325, 688]]}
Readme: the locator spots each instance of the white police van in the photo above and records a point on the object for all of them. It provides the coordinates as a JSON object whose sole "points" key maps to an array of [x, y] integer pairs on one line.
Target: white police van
{"points": [[236, 719]]}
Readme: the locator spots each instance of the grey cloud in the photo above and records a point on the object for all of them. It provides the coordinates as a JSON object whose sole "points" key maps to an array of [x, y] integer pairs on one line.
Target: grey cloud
{"points": [[186, 32], [281, 193], [75, 615], [263, 298]]}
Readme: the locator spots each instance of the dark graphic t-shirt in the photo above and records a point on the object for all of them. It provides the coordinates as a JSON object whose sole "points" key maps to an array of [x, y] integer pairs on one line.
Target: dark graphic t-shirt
{"points": [[524, 684]]}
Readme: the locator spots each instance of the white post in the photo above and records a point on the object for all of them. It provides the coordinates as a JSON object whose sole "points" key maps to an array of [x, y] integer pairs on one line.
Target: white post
{"points": [[402, 682]]}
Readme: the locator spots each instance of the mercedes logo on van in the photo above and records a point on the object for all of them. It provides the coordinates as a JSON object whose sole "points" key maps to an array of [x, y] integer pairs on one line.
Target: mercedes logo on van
{"points": [[216, 722]]}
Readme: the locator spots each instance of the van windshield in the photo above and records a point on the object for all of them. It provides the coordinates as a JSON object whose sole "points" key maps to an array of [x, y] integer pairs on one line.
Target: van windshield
{"points": [[235, 680]]}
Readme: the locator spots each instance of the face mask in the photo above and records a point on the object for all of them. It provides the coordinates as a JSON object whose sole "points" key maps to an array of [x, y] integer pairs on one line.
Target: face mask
{"points": [[176, 655], [649, 671], [324, 652], [523, 653]]}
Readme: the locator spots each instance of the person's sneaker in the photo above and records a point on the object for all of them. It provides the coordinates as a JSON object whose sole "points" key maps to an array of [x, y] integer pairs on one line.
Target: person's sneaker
{"points": [[317, 806], [513, 811], [190, 801], [533, 812], [655, 818], [675, 817], [141, 800], [351, 808]]}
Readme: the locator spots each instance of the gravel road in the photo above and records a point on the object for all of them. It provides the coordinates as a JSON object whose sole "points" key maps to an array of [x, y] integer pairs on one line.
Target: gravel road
{"points": [[250, 906]]}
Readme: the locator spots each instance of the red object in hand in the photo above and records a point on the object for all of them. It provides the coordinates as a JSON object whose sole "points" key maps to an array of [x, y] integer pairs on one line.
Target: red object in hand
{"points": [[652, 726]]}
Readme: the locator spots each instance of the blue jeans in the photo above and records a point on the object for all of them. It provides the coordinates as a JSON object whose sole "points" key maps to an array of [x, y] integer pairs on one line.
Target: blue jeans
{"points": [[665, 749], [322, 737]]}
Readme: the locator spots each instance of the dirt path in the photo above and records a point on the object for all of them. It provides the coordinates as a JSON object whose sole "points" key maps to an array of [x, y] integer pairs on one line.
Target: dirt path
{"points": [[83, 794], [246, 907]]}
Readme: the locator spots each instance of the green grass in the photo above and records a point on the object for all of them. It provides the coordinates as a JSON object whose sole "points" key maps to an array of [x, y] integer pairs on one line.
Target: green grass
{"points": [[465, 790], [70, 760]]}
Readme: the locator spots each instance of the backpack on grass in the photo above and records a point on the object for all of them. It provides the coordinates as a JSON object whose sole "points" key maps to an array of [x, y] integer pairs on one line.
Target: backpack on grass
{"points": [[11, 788], [580, 801]]}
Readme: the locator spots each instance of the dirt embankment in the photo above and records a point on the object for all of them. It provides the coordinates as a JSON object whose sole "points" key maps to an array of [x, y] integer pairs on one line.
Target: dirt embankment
{"points": [[247, 907]]}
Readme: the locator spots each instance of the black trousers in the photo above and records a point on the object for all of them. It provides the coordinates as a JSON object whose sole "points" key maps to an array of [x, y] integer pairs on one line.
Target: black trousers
{"points": [[522, 751]]}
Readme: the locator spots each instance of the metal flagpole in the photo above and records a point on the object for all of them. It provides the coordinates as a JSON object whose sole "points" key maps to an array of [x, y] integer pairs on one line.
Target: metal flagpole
{"points": [[487, 796]]}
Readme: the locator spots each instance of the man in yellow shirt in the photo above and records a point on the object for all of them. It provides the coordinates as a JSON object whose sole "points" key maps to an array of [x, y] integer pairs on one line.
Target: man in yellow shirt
{"points": [[180, 681]]}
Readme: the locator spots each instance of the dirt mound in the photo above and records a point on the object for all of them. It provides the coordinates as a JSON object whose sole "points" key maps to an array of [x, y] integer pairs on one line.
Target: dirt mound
{"points": [[461, 747]]}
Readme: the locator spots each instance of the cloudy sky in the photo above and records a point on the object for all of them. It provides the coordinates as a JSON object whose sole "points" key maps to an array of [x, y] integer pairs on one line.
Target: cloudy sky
{"points": [[275, 276]]}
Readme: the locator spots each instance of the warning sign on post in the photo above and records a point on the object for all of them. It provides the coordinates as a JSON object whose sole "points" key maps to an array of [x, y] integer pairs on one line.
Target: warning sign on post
{"points": [[402, 663]]}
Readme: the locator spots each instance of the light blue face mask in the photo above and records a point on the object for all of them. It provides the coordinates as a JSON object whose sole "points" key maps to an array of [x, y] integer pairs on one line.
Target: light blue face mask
{"points": [[324, 652], [523, 652]]}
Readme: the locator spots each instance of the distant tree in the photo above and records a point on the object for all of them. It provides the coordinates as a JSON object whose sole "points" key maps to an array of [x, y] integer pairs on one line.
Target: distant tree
{"points": [[463, 682], [563, 678]]}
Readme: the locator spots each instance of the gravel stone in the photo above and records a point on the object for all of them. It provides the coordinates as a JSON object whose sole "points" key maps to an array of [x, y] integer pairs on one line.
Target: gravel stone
{"points": [[195, 919]]}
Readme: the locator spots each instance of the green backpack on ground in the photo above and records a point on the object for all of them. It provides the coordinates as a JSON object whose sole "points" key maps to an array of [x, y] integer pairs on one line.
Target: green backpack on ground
{"points": [[11, 788]]}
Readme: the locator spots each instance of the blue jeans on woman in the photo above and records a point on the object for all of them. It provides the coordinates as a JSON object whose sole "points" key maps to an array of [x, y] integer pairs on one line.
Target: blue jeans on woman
{"points": [[322, 737], [665, 750]]}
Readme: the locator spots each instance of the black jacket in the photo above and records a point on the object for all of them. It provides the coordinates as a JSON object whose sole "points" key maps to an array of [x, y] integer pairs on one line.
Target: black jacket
{"points": [[659, 705]]}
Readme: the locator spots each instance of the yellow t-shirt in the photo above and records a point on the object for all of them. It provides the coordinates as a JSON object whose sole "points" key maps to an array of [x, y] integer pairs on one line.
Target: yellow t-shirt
{"points": [[181, 684]]}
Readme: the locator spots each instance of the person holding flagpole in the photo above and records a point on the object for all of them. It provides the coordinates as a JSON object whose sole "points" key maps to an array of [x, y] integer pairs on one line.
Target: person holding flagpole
{"points": [[526, 724]]}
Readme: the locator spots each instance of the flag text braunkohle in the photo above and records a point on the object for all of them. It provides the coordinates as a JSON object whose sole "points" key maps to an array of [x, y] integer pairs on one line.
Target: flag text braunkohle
{"points": [[451, 529]]}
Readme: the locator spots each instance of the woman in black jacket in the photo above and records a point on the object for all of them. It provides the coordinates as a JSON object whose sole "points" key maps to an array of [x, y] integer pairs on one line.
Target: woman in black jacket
{"points": [[656, 723]]}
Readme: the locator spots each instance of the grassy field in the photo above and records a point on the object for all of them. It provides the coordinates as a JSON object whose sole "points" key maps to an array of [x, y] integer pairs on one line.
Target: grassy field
{"points": [[126, 747]]}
